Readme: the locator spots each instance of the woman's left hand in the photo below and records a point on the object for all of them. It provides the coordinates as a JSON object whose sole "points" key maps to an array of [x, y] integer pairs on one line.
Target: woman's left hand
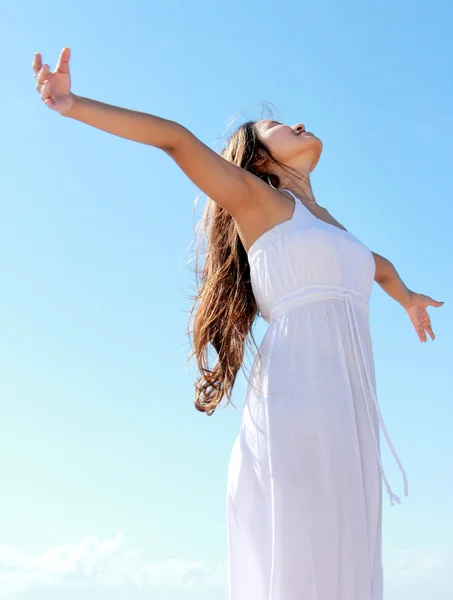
{"points": [[416, 309]]}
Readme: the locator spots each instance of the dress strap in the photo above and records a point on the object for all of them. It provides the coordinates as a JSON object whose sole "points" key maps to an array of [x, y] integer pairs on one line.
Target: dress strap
{"points": [[293, 195]]}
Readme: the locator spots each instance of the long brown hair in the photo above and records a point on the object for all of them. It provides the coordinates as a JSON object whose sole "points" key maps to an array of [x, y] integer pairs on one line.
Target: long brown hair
{"points": [[224, 307]]}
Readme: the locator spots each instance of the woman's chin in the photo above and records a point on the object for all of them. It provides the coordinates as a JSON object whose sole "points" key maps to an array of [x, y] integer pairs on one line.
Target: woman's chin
{"points": [[316, 155]]}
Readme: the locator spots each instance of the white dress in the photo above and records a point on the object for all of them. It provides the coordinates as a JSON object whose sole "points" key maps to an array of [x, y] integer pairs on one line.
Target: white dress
{"points": [[304, 498]]}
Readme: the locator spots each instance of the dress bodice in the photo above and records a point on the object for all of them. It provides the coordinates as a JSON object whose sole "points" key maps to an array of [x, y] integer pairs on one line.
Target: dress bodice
{"points": [[304, 254]]}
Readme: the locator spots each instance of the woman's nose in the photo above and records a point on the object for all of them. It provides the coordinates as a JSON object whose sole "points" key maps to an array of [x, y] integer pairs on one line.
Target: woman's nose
{"points": [[299, 128]]}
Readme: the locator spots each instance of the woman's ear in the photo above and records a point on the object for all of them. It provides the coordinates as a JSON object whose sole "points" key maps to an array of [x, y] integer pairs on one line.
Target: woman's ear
{"points": [[260, 159]]}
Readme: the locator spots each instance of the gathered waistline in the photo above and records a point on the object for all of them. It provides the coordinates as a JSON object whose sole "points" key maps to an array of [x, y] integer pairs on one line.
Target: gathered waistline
{"points": [[314, 292]]}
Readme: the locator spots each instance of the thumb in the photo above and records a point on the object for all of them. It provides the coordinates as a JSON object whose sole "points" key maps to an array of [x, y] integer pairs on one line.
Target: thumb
{"points": [[435, 302], [63, 61]]}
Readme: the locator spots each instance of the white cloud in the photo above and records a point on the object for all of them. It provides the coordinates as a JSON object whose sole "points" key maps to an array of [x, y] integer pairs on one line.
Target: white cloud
{"points": [[410, 565], [419, 574], [105, 569], [81, 571]]}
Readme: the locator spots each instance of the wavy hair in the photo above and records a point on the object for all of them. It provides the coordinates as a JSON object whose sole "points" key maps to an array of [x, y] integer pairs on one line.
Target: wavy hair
{"points": [[224, 307]]}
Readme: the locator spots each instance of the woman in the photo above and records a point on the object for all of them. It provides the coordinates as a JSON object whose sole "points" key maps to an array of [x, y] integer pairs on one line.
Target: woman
{"points": [[304, 484]]}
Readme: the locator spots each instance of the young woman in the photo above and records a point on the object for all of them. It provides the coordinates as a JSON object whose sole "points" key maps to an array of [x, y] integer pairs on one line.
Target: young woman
{"points": [[305, 477]]}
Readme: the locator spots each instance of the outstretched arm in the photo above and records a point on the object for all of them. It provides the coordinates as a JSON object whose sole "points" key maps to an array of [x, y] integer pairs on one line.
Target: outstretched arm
{"points": [[231, 187], [388, 278], [413, 303]]}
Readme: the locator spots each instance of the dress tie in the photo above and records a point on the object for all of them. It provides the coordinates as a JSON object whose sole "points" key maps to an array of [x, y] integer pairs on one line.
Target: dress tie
{"points": [[317, 292], [353, 322]]}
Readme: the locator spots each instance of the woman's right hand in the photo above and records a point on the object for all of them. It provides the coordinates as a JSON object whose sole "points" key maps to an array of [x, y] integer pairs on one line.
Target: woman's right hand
{"points": [[54, 87]]}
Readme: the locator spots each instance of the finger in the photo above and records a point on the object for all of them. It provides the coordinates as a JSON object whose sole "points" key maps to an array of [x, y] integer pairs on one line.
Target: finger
{"points": [[420, 329], [63, 61], [37, 63], [435, 302], [50, 103], [42, 76], [426, 322], [46, 90]]}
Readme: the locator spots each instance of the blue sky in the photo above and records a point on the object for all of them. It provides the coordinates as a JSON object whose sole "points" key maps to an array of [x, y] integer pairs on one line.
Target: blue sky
{"points": [[112, 485]]}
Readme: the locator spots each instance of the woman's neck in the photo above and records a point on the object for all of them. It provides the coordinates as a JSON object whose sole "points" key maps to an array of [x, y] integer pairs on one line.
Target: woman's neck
{"points": [[301, 187]]}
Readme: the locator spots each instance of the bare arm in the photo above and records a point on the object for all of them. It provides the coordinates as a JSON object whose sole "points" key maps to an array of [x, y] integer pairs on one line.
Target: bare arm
{"points": [[226, 184], [129, 124], [414, 304], [230, 186], [388, 278]]}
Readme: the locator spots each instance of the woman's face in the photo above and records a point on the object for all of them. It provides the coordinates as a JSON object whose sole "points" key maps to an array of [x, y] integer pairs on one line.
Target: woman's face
{"points": [[290, 145]]}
